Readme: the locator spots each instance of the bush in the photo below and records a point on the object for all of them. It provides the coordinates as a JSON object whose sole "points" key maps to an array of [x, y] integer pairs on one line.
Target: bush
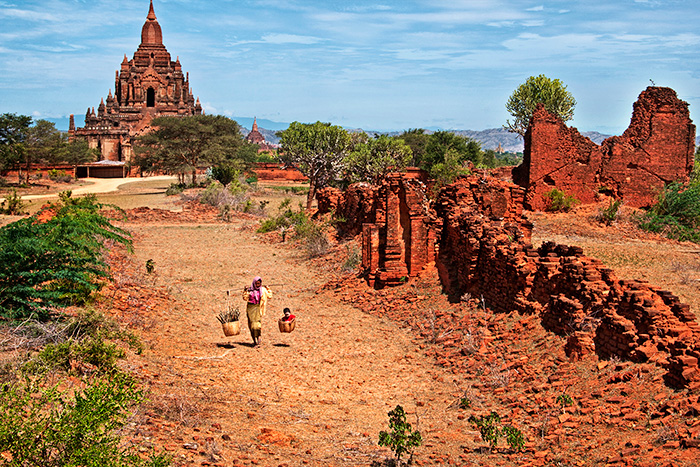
{"points": [[60, 176], [46, 427], [312, 234], [175, 189], [559, 201], [676, 214], [491, 430], [55, 258], [609, 215], [401, 439], [12, 205]]}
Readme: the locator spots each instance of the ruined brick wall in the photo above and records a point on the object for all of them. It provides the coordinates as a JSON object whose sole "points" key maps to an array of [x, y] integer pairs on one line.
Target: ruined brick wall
{"points": [[354, 207], [491, 256], [268, 171], [657, 148]]}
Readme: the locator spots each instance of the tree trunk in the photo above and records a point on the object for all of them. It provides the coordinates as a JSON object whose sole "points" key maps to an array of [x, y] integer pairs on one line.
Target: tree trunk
{"points": [[194, 177], [312, 194]]}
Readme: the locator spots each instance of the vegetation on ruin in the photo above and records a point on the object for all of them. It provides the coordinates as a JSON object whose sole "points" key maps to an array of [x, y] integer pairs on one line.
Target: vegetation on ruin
{"points": [[181, 145], [559, 201], [676, 214], [609, 214], [55, 258], [318, 150], [491, 430], [401, 438], [538, 90]]}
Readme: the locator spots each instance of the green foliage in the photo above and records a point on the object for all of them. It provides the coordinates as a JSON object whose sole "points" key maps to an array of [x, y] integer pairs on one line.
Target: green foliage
{"points": [[371, 160], [225, 173], [311, 234], [12, 204], [449, 149], [57, 262], [45, 427], [58, 175], [14, 130], [150, 266], [564, 400], [609, 215], [401, 438], [317, 150], [491, 431], [175, 189], [465, 403], [416, 139], [181, 145], [676, 214], [538, 90], [449, 170], [559, 201]]}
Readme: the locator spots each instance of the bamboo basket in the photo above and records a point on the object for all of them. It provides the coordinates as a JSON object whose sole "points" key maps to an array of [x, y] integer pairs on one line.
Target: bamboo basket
{"points": [[232, 328], [287, 326]]}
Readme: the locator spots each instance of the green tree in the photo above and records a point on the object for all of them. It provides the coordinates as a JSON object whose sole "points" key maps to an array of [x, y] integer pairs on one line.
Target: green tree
{"points": [[55, 262], [76, 151], [372, 159], [317, 150], [181, 145], [538, 90], [43, 144], [13, 136], [461, 148], [417, 139]]}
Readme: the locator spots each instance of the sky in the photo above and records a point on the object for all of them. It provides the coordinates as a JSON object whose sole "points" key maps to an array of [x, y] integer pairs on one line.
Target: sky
{"points": [[378, 65]]}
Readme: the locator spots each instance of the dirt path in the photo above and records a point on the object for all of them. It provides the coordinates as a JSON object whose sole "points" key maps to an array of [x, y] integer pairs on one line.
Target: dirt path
{"points": [[318, 396]]}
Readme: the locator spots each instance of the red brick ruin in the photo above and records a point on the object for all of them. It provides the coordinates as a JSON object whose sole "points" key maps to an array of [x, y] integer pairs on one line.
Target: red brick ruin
{"points": [[477, 237], [657, 148], [149, 85]]}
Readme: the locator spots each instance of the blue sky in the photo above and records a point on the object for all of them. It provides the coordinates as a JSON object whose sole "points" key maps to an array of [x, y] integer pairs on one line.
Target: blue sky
{"points": [[377, 65]]}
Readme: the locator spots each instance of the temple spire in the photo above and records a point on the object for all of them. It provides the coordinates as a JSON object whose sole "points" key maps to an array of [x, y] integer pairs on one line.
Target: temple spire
{"points": [[255, 124], [151, 13]]}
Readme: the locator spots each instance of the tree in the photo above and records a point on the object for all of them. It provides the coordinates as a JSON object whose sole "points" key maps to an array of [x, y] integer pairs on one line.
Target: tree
{"points": [[373, 158], [441, 142], [317, 150], [55, 258], [180, 145], [13, 135], [76, 151], [417, 139], [538, 90], [43, 144]]}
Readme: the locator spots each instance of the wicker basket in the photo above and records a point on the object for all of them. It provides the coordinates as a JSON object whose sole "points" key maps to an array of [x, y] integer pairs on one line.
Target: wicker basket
{"points": [[287, 326], [232, 328]]}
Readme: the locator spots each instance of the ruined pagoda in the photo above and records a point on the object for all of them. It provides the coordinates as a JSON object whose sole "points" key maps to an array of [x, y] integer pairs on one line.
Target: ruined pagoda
{"points": [[149, 85]]}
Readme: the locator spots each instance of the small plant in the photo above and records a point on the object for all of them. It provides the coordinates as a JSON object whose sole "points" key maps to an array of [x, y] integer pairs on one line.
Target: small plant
{"points": [[564, 400], [175, 189], [12, 205], [353, 258], [491, 430], [676, 214], [609, 215], [465, 403], [559, 201], [229, 315], [150, 266], [58, 175], [401, 439]]}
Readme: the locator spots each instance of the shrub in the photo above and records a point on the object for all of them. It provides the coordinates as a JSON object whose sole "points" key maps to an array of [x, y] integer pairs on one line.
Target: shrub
{"points": [[47, 427], [401, 439], [175, 189], [12, 205], [609, 215], [224, 174], [676, 214], [354, 258], [491, 430], [560, 201], [60, 176], [55, 258]]}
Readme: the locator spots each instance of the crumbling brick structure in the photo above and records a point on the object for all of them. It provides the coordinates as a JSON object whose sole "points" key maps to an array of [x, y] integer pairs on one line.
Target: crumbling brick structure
{"points": [[476, 234], [657, 148]]}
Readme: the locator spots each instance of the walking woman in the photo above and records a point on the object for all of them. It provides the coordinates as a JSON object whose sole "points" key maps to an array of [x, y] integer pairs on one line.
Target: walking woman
{"points": [[257, 297]]}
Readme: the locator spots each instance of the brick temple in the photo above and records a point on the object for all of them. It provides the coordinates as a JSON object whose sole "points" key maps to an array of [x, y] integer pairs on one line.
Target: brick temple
{"points": [[149, 85]]}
